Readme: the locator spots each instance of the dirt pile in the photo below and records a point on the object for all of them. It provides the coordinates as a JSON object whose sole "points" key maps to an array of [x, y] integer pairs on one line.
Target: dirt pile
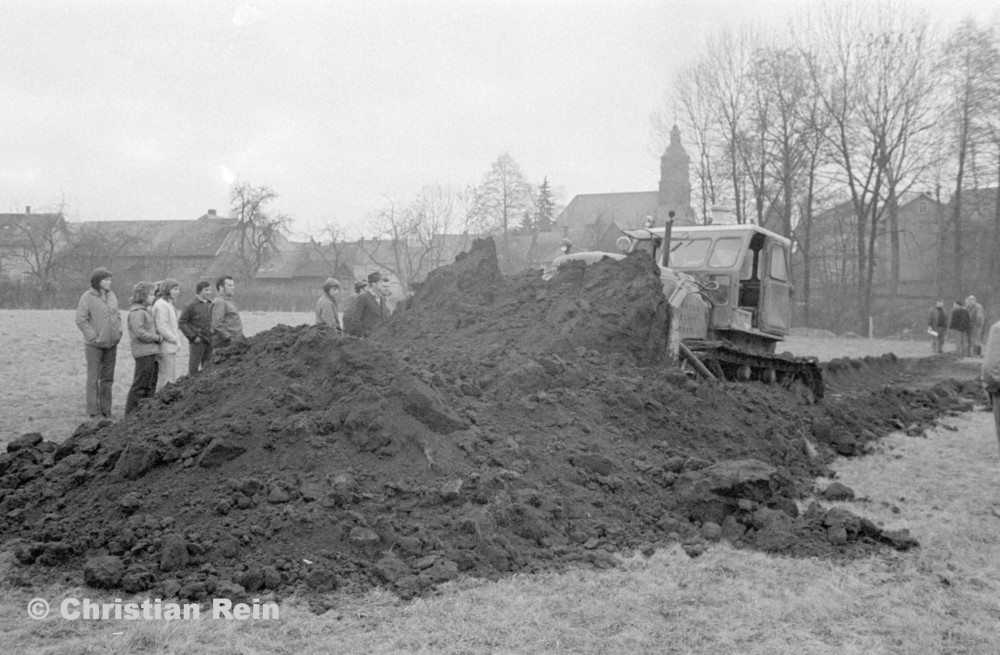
{"points": [[494, 425]]}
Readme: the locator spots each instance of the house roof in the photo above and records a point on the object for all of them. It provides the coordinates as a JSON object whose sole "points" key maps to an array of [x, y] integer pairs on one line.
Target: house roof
{"points": [[17, 230], [624, 209], [203, 237], [847, 207], [300, 259]]}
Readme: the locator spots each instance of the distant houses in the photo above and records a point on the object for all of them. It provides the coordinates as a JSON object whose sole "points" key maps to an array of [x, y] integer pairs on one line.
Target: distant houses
{"points": [[56, 256]]}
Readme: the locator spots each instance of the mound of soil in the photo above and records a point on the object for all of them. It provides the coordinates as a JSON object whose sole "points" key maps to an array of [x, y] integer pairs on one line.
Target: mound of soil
{"points": [[493, 425]]}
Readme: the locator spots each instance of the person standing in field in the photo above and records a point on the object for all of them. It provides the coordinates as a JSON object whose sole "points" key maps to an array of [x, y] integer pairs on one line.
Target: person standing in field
{"points": [[961, 323], [98, 319], [165, 319], [227, 328], [195, 323], [938, 323], [991, 372], [145, 341], [327, 312], [349, 305], [978, 318]]}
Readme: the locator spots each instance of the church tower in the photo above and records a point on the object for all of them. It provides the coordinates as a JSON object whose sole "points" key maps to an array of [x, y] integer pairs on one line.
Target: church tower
{"points": [[675, 183]]}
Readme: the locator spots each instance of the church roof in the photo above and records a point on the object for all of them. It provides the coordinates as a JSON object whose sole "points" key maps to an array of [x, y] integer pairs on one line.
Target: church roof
{"points": [[623, 209]]}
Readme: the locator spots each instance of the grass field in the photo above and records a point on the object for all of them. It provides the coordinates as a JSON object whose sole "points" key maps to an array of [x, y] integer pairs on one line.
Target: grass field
{"points": [[45, 371], [941, 598]]}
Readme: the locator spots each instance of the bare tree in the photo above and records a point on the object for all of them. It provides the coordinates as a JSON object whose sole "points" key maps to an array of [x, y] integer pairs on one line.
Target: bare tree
{"points": [[45, 239], [729, 57], [259, 229], [871, 70], [93, 245], [971, 76], [691, 89], [501, 200], [409, 236], [814, 123], [332, 253]]}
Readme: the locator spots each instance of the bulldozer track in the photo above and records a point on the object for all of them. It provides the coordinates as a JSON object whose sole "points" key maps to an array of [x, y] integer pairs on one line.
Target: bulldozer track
{"points": [[730, 363]]}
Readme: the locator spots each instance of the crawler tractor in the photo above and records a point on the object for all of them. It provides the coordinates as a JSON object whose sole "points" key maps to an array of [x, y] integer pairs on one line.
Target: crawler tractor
{"points": [[730, 300]]}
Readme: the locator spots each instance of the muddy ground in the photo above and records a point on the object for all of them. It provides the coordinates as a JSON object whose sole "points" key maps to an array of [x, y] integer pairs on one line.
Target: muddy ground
{"points": [[495, 425]]}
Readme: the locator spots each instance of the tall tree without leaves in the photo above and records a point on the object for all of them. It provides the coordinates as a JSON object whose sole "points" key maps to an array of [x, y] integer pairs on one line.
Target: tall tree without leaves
{"points": [[410, 236], [871, 70], [971, 74], [260, 229], [44, 237], [503, 197]]}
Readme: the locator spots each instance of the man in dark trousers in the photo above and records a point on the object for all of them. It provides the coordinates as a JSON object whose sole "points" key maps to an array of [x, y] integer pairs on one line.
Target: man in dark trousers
{"points": [[961, 323], [196, 324], [371, 309], [98, 318], [938, 324], [349, 305]]}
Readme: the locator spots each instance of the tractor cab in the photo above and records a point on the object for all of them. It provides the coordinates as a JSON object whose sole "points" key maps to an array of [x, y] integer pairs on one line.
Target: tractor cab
{"points": [[742, 271]]}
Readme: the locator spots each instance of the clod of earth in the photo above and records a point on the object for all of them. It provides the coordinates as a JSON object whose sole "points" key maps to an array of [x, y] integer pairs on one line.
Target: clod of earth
{"points": [[495, 424]]}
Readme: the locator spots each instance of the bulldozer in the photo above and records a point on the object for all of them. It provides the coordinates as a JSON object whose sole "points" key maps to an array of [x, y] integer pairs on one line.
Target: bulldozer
{"points": [[729, 292]]}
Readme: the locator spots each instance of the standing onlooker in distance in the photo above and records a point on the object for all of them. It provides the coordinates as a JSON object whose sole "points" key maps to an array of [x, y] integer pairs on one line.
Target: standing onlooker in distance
{"points": [[165, 319], [145, 342], [961, 323], [327, 312], [196, 324], [227, 328], [98, 318], [385, 288], [370, 310], [991, 372], [938, 323], [349, 305], [978, 318]]}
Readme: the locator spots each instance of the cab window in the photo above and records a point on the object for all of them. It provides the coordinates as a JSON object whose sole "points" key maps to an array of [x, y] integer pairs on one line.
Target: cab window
{"points": [[779, 267], [725, 252], [689, 253]]}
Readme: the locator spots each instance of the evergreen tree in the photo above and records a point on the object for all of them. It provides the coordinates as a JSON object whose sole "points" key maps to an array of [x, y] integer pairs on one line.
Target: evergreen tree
{"points": [[527, 223], [544, 208]]}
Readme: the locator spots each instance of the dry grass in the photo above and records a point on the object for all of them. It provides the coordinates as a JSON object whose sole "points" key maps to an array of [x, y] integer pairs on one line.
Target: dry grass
{"points": [[827, 349], [45, 372], [941, 598]]}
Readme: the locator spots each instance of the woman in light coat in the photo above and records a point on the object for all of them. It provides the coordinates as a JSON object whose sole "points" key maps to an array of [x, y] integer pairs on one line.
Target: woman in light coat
{"points": [[165, 318]]}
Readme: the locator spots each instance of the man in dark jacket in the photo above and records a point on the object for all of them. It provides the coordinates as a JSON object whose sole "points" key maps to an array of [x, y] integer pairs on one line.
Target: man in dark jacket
{"points": [[196, 324], [371, 309], [961, 323], [349, 305], [937, 325]]}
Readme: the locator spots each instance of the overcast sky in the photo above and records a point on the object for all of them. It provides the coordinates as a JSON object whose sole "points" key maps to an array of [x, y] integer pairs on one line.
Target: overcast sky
{"points": [[149, 110]]}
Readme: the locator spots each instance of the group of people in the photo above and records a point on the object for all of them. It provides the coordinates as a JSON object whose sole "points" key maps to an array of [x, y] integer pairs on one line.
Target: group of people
{"points": [[155, 330], [363, 312], [966, 319]]}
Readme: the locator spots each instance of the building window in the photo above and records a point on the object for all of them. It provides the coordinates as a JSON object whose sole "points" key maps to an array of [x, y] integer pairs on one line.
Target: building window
{"points": [[922, 207]]}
